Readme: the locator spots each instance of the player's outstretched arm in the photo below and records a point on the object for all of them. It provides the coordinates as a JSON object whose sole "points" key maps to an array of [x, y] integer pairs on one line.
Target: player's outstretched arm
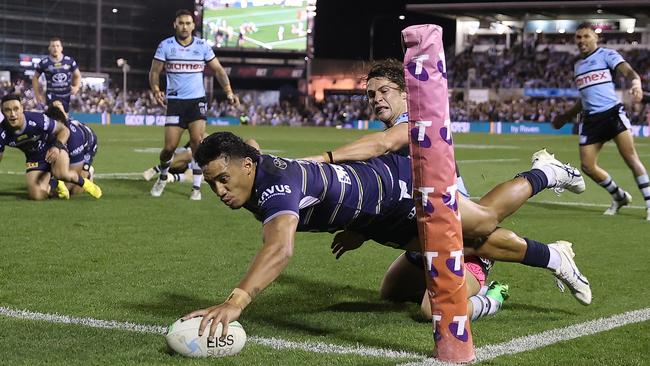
{"points": [[270, 261], [636, 91], [369, 146], [154, 81]]}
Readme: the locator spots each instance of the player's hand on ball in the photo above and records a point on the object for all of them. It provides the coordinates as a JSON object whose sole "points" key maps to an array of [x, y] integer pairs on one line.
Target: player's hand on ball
{"points": [[222, 313], [345, 241]]}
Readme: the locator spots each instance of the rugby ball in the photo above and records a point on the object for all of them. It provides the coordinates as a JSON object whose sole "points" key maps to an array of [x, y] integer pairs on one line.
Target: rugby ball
{"points": [[183, 338]]}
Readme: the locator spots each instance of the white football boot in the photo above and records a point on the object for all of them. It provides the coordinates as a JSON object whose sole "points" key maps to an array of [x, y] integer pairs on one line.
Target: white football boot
{"points": [[616, 205], [569, 274], [195, 195], [566, 176], [158, 187]]}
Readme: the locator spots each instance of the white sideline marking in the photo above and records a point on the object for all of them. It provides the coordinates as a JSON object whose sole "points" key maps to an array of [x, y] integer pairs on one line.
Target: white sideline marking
{"points": [[549, 337], [275, 343], [486, 147], [486, 161]]}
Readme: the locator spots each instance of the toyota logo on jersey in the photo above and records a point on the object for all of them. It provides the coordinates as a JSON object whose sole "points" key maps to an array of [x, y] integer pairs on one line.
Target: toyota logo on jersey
{"points": [[59, 77]]}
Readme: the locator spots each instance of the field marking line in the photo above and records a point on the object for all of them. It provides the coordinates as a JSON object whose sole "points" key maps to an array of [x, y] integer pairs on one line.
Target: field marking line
{"points": [[275, 343], [549, 337]]}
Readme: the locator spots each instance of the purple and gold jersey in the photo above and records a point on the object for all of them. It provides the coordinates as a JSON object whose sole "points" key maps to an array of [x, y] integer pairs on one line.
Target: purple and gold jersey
{"points": [[184, 67], [35, 138], [330, 197], [58, 75], [594, 77]]}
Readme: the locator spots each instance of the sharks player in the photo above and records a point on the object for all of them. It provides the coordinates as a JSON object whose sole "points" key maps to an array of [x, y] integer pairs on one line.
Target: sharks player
{"points": [[62, 76], [184, 58], [44, 141], [603, 118], [364, 197]]}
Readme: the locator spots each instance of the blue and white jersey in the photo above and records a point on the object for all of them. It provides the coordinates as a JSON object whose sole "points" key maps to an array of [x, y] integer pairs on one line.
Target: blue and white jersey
{"points": [[594, 77], [34, 139], [184, 66], [58, 75], [329, 197]]}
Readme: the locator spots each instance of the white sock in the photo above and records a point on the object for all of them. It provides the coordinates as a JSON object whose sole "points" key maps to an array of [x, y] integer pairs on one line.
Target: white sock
{"points": [[643, 182], [197, 175], [550, 175], [483, 290], [554, 260], [483, 306]]}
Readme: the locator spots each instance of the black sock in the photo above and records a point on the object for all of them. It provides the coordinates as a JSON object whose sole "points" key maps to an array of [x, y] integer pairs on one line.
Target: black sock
{"points": [[80, 182], [537, 254], [53, 184], [537, 180]]}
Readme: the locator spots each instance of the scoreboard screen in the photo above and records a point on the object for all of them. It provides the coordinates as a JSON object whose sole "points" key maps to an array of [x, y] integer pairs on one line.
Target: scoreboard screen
{"points": [[258, 24]]}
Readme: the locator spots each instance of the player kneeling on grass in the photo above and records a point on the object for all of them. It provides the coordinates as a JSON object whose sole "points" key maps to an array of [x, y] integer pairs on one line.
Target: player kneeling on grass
{"points": [[371, 198], [44, 142]]}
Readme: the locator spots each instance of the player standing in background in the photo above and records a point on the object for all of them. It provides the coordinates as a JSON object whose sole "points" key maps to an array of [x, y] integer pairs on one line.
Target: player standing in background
{"points": [[184, 57], [61, 74], [603, 117], [44, 141]]}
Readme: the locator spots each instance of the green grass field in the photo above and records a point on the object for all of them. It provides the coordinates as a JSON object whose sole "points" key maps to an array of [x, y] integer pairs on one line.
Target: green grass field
{"points": [[267, 19], [132, 258]]}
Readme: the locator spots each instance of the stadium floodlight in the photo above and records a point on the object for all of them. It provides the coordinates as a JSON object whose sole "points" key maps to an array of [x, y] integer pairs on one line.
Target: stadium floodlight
{"points": [[115, 10], [538, 30], [630, 30], [561, 30], [125, 69], [598, 30], [401, 17]]}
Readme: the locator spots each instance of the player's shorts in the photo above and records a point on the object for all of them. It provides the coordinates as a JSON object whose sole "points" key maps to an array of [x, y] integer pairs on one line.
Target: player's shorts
{"points": [[181, 112], [37, 164], [477, 266], [64, 99], [395, 229], [82, 144], [603, 126]]}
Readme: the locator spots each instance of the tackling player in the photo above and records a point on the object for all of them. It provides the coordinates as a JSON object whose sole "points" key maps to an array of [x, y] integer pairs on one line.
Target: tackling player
{"points": [[44, 142], [61, 74], [184, 58], [371, 198], [603, 118]]}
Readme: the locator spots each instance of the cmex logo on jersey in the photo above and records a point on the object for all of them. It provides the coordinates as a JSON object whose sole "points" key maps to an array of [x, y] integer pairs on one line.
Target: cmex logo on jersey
{"points": [[457, 328]]}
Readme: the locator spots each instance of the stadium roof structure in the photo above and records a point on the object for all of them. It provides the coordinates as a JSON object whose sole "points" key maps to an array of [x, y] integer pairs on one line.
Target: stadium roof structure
{"points": [[538, 10]]}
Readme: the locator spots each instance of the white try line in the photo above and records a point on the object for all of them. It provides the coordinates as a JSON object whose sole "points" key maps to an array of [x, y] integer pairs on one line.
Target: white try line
{"points": [[275, 343], [517, 345], [549, 337]]}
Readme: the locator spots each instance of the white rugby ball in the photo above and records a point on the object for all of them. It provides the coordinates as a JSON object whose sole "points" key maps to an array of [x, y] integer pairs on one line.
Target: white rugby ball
{"points": [[183, 338]]}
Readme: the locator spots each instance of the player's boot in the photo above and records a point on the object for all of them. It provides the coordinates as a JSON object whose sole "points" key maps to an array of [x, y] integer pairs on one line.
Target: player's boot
{"points": [[616, 205], [62, 191], [569, 274], [195, 195], [567, 177], [149, 173], [498, 291], [92, 189], [159, 187]]}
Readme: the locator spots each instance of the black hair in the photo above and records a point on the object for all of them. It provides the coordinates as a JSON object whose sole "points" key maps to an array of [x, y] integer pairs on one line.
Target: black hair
{"points": [[584, 25], [181, 12], [12, 96], [224, 144], [390, 69]]}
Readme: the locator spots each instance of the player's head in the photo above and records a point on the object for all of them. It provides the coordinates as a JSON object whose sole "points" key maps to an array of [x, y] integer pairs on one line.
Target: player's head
{"points": [[386, 90], [586, 38], [184, 24], [55, 47], [228, 165], [12, 110]]}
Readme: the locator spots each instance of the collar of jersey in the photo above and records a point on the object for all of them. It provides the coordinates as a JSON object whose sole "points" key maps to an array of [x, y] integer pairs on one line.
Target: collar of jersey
{"points": [[592, 52], [404, 117], [189, 44]]}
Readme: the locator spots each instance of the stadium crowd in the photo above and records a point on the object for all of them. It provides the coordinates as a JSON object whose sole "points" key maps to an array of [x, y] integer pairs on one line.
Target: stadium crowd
{"points": [[519, 67]]}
